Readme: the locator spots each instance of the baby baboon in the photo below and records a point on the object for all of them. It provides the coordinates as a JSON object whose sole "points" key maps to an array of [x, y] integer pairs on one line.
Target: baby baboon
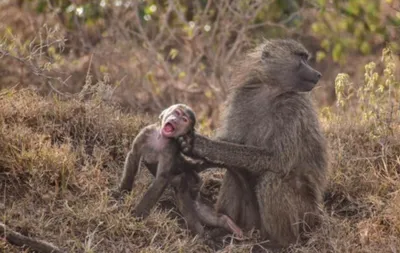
{"points": [[271, 143], [156, 147]]}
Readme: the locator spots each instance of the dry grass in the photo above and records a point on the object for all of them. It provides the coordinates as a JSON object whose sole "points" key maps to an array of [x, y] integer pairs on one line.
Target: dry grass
{"points": [[58, 162], [60, 158]]}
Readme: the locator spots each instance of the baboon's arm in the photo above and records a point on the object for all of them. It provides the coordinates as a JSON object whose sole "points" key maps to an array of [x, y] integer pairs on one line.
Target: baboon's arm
{"points": [[231, 155], [21, 240], [156, 189], [132, 163], [197, 165]]}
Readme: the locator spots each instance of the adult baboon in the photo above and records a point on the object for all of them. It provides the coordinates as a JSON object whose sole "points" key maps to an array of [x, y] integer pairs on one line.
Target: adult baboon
{"points": [[271, 143]]}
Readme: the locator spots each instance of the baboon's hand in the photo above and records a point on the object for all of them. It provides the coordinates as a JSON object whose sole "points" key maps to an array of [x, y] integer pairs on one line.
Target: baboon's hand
{"points": [[185, 143]]}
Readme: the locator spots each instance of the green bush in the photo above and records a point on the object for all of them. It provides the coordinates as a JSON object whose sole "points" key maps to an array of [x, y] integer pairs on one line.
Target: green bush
{"points": [[354, 25], [376, 101]]}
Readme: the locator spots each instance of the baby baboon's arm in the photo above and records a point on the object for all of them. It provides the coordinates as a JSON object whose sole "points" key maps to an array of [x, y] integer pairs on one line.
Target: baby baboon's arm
{"points": [[153, 194], [132, 162], [227, 154], [131, 168]]}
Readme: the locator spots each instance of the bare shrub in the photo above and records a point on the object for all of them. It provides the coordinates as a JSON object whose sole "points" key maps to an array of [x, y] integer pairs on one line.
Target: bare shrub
{"points": [[173, 53]]}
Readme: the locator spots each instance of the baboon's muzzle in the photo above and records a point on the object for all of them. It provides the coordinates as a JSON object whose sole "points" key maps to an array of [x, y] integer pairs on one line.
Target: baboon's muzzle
{"points": [[308, 76]]}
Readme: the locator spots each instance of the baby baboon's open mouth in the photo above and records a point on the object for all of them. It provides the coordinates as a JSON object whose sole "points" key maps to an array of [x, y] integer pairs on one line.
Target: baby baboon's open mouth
{"points": [[168, 129]]}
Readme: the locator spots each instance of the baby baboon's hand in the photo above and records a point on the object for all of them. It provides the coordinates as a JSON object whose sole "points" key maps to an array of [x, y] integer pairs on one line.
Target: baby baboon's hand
{"points": [[185, 143]]}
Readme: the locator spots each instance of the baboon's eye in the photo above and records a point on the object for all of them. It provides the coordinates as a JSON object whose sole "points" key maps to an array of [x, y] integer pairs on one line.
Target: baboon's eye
{"points": [[302, 55], [177, 112]]}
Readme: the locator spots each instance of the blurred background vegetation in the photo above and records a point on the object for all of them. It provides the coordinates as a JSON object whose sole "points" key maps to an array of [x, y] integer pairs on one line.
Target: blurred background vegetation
{"points": [[145, 55]]}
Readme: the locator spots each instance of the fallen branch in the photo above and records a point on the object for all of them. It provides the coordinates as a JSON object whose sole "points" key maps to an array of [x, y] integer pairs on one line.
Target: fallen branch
{"points": [[20, 240]]}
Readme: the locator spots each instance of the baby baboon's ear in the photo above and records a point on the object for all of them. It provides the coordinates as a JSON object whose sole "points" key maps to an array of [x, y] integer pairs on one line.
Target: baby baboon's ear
{"points": [[162, 113]]}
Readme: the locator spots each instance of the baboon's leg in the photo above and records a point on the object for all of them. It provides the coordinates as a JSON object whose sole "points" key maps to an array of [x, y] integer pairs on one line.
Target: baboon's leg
{"points": [[228, 202], [152, 168], [186, 203], [236, 200], [189, 213], [211, 218], [283, 210]]}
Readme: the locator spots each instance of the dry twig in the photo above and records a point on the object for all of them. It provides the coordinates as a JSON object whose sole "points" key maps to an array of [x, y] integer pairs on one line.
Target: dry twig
{"points": [[20, 240]]}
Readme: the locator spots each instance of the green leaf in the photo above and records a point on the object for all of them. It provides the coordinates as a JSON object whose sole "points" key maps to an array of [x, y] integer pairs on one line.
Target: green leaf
{"points": [[173, 53], [41, 7], [321, 3], [326, 44], [181, 74], [365, 48], [337, 52], [320, 56], [103, 69], [208, 94]]}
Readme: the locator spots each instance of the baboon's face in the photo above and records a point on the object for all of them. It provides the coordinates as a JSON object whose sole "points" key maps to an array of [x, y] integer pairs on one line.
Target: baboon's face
{"points": [[176, 121], [287, 62]]}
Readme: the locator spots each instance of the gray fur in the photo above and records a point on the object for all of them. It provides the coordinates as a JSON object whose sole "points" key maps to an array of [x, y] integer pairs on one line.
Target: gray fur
{"points": [[277, 174]]}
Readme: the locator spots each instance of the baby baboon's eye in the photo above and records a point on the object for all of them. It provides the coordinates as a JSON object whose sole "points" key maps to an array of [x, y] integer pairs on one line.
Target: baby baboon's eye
{"points": [[185, 119]]}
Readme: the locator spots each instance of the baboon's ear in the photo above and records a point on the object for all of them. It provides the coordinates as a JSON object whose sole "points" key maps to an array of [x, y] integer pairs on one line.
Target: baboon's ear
{"points": [[265, 55], [162, 113]]}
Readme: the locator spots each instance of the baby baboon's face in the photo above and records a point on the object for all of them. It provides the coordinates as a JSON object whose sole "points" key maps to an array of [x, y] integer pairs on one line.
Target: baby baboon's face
{"points": [[176, 121]]}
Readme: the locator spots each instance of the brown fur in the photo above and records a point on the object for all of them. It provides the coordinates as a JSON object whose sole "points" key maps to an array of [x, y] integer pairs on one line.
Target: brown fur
{"points": [[271, 143], [161, 156]]}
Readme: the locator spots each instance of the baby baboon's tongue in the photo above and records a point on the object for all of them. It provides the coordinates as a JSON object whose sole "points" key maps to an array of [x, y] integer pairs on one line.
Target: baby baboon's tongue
{"points": [[169, 128]]}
